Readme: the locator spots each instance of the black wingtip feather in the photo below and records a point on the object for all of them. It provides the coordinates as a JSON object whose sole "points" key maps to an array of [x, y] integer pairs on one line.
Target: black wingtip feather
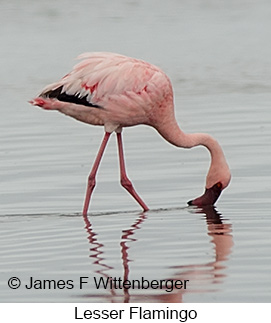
{"points": [[62, 96]]}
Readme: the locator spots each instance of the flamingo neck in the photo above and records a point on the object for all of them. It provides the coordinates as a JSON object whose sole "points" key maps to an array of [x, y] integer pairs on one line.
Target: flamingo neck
{"points": [[174, 135]]}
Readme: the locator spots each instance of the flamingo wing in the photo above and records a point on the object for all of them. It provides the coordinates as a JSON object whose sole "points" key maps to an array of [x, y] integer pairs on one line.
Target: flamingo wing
{"points": [[101, 77], [121, 91]]}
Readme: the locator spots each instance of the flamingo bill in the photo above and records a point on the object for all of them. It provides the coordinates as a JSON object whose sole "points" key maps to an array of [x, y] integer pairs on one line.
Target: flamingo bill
{"points": [[209, 197]]}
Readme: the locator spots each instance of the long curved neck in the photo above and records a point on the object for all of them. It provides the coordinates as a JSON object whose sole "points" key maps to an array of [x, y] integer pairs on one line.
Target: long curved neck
{"points": [[173, 134]]}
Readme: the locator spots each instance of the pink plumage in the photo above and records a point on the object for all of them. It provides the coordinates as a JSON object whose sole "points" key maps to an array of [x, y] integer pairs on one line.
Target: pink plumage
{"points": [[116, 91]]}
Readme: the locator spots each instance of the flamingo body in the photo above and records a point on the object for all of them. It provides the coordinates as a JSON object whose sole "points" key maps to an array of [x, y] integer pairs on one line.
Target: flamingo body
{"points": [[124, 91], [116, 91]]}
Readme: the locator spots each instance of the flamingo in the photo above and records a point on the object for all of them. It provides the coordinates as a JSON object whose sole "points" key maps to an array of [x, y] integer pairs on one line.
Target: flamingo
{"points": [[117, 91]]}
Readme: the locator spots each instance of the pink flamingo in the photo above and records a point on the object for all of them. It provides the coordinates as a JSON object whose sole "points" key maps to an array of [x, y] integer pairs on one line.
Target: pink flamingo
{"points": [[116, 91]]}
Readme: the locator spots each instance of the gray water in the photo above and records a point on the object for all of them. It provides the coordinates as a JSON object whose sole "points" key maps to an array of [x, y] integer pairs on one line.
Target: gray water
{"points": [[218, 56]]}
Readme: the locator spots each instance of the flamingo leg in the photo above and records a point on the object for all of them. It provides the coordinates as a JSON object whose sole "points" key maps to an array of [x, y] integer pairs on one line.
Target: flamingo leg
{"points": [[92, 175], [124, 180]]}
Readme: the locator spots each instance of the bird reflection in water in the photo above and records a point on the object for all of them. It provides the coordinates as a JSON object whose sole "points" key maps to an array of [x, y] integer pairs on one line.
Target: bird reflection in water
{"points": [[210, 273]]}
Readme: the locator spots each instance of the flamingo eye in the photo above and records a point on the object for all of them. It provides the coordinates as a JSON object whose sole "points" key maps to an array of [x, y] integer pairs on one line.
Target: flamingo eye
{"points": [[219, 185]]}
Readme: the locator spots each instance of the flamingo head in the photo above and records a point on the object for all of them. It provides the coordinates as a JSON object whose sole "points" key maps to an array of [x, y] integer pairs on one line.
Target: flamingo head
{"points": [[209, 197], [216, 182]]}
